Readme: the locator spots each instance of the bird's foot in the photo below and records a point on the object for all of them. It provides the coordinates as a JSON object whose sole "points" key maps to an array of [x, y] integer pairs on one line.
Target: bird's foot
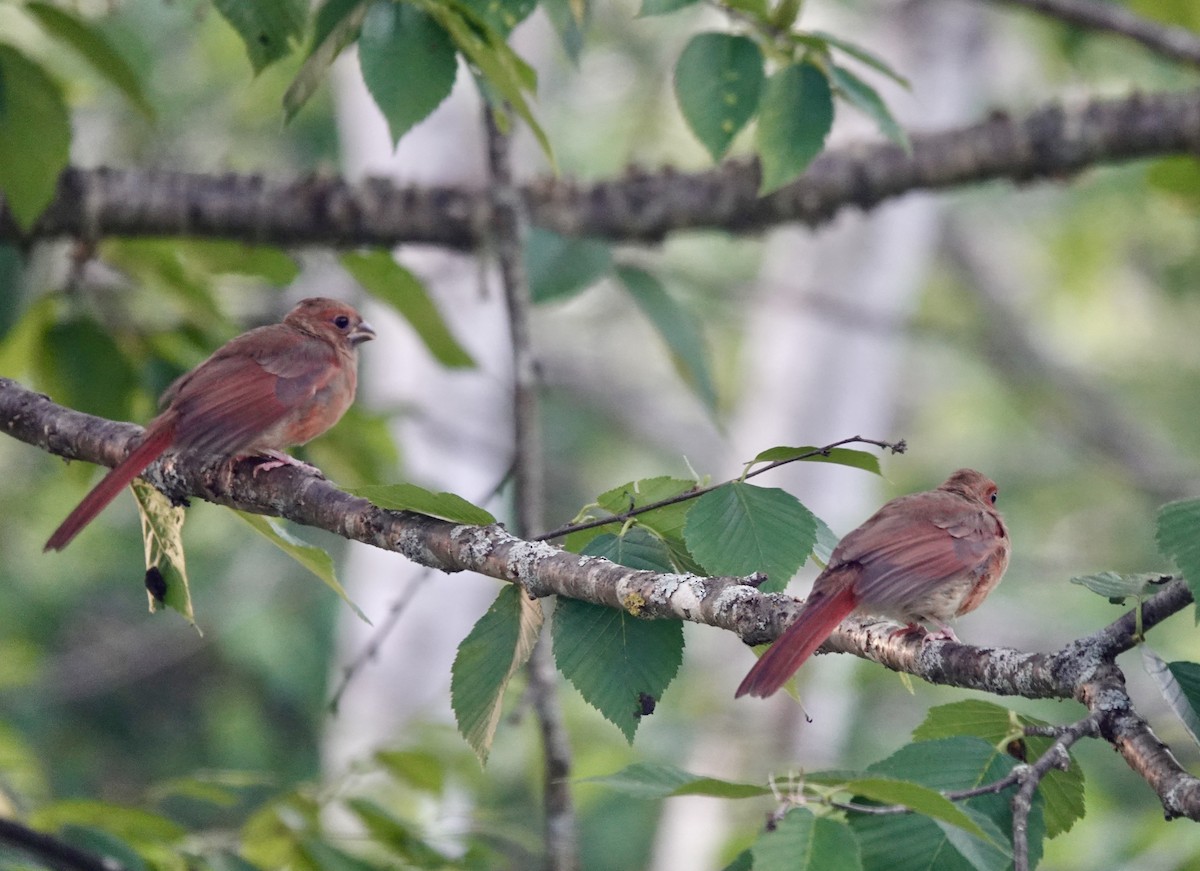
{"points": [[278, 459], [944, 633], [910, 629]]}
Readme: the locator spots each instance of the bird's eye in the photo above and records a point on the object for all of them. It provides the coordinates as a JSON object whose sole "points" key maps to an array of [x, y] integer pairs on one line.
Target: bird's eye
{"points": [[993, 497], [341, 322]]}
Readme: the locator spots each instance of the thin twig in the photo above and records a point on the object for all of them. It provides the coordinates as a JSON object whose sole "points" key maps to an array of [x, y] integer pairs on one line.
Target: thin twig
{"points": [[1174, 43], [697, 491], [507, 231]]}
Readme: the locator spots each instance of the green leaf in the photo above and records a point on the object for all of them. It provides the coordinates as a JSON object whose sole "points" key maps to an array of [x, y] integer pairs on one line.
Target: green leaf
{"points": [[35, 136], [338, 23], [407, 61], [738, 529], [812, 454], [162, 529], [1062, 791], [920, 799], [228, 257], [636, 549], [666, 523], [826, 541], [81, 364], [1179, 684], [866, 98], [130, 824], [614, 659], [410, 497], [794, 118], [502, 15], [860, 54], [662, 7], [570, 19], [655, 781], [267, 27], [309, 556], [395, 835], [678, 327], [802, 841], [386, 280], [495, 648], [912, 842], [1117, 588], [423, 771], [562, 266], [1178, 537], [92, 45], [718, 79]]}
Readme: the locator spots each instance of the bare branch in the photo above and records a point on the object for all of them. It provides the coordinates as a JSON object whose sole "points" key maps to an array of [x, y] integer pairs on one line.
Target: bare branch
{"points": [[1048, 144], [1174, 43]]}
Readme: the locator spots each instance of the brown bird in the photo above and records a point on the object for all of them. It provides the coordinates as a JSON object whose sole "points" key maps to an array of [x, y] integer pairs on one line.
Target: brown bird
{"points": [[268, 389], [928, 556]]}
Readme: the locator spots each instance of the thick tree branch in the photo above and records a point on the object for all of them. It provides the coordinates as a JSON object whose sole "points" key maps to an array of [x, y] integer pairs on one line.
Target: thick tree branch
{"points": [[1174, 43], [1048, 144], [1083, 670]]}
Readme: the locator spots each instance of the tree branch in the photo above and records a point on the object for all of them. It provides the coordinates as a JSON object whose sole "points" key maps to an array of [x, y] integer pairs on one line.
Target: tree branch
{"points": [[51, 851], [1174, 43], [1048, 144], [1083, 670]]}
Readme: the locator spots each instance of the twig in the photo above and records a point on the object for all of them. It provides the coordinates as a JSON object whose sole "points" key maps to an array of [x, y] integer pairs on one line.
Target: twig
{"points": [[695, 492], [507, 228], [1175, 43], [53, 852]]}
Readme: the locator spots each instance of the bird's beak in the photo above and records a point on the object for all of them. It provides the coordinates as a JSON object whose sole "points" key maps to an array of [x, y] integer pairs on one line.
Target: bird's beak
{"points": [[364, 332]]}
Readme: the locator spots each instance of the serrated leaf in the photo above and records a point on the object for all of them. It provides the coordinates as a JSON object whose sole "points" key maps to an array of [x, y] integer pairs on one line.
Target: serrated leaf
{"points": [[738, 529], [866, 98], [679, 328], [662, 7], [1178, 537], [862, 55], [311, 557], [1062, 791], [502, 15], [410, 497], [794, 117], [1118, 587], [408, 63], [338, 23], [812, 454], [93, 47], [162, 530], [636, 549], [921, 799], [499, 643], [268, 28], [1179, 684], [35, 136], [802, 841], [614, 659], [718, 80], [655, 781], [561, 266], [388, 281], [918, 843]]}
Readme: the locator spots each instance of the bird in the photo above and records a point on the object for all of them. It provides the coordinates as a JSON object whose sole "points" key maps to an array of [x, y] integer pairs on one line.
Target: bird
{"points": [[270, 388], [924, 557]]}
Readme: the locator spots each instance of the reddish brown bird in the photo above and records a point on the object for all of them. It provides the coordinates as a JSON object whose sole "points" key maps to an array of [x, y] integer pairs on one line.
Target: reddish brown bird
{"points": [[268, 389], [929, 557]]}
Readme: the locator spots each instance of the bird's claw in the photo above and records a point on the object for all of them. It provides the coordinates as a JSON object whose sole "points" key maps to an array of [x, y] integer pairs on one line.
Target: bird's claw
{"points": [[278, 459]]}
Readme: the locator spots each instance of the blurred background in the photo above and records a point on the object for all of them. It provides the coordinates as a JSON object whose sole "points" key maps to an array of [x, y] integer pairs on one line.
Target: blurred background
{"points": [[1044, 334]]}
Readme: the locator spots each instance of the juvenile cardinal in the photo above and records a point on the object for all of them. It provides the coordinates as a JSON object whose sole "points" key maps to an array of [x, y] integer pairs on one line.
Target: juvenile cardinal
{"points": [[929, 557], [268, 389]]}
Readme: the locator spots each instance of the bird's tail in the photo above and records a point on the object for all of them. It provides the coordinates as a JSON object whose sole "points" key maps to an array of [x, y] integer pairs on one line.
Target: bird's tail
{"points": [[155, 442], [818, 618]]}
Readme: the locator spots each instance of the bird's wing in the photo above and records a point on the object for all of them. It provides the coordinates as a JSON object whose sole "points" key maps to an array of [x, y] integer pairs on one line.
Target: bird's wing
{"points": [[904, 553], [247, 387]]}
